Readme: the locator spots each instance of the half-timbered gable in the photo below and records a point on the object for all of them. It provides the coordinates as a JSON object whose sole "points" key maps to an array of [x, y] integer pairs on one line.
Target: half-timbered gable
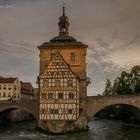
{"points": [[59, 91]]}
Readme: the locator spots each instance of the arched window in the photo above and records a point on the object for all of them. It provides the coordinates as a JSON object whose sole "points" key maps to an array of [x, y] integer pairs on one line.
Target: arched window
{"points": [[72, 57], [63, 29]]}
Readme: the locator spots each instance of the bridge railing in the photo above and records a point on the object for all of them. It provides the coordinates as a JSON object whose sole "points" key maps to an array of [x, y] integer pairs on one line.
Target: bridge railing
{"points": [[22, 101], [113, 96]]}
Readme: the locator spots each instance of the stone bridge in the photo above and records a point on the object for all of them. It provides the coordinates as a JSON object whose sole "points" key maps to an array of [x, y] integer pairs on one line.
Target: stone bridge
{"points": [[28, 106], [94, 104], [97, 103]]}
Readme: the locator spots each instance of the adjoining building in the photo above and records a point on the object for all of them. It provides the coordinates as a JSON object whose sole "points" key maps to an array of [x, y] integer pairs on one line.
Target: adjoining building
{"points": [[27, 91], [10, 88], [62, 82]]}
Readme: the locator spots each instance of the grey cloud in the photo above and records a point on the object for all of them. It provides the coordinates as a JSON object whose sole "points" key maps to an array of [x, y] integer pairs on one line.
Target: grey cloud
{"points": [[5, 2]]}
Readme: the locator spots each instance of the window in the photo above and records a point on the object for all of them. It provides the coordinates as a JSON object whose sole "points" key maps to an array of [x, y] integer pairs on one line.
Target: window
{"points": [[4, 87], [52, 55], [53, 111], [50, 95], [43, 96], [63, 72], [52, 73], [57, 83], [4, 94], [63, 29], [9, 94], [60, 95], [45, 83], [70, 83], [72, 57], [57, 63], [9, 87], [71, 95], [69, 111], [42, 111]]}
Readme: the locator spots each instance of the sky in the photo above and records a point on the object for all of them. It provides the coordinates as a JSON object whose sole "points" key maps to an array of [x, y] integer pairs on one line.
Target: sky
{"points": [[111, 29]]}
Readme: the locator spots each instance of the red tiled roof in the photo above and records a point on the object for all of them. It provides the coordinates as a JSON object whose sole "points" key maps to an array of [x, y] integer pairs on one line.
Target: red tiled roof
{"points": [[7, 80], [27, 86]]}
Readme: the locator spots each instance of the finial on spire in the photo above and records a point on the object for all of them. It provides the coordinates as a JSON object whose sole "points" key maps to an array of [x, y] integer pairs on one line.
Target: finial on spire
{"points": [[63, 9]]}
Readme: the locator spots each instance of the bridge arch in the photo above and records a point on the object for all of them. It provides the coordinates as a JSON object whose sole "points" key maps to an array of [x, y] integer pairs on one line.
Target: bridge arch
{"points": [[133, 109], [96, 104], [30, 107], [18, 107]]}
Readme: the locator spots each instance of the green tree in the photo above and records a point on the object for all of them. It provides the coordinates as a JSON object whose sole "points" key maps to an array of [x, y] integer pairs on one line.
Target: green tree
{"points": [[125, 84], [121, 85], [135, 74], [108, 88]]}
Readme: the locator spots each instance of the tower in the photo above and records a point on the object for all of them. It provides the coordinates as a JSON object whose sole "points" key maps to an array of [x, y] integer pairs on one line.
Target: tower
{"points": [[62, 82]]}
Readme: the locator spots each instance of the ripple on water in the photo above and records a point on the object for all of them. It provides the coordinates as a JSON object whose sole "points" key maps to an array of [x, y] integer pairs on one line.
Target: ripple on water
{"points": [[99, 130]]}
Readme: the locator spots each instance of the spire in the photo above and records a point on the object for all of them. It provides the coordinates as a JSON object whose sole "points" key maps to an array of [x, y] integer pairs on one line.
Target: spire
{"points": [[63, 23], [63, 9]]}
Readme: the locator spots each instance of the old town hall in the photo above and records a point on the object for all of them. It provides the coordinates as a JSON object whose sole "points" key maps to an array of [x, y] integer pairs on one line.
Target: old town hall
{"points": [[62, 82]]}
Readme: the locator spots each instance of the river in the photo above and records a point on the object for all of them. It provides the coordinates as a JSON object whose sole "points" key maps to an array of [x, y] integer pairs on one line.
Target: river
{"points": [[99, 130]]}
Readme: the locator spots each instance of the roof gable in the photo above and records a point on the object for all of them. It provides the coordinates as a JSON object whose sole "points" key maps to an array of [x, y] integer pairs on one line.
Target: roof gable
{"points": [[58, 68]]}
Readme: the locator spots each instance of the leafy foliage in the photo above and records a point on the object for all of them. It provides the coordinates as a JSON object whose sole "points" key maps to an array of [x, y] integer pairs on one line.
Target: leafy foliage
{"points": [[126, 84], [108, 88]]}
